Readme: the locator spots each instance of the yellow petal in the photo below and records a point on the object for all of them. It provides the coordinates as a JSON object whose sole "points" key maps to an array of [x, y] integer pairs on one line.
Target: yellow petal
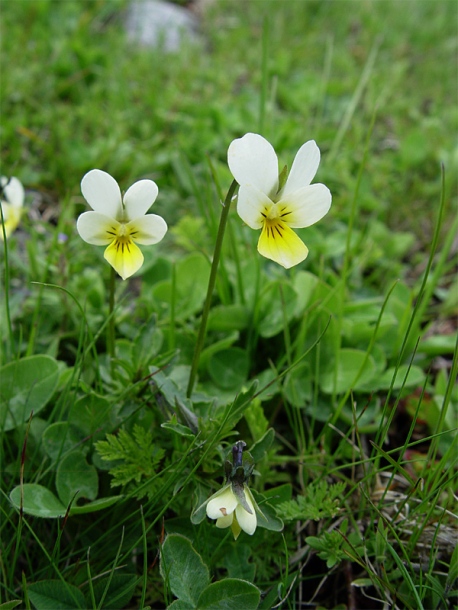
{"points": [[236, 529], [281, 244], [124, 256], [11, 217]]}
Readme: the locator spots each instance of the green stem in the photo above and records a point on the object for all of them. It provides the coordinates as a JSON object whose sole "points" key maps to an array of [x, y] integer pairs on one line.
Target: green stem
{"points": [[10, 344], [111, 321], [211, 286]]}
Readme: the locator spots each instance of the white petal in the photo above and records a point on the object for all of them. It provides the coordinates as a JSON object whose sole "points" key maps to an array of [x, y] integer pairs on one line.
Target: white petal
{"points": [[308, 205], [247, 521], [304, 168], [97, 229], [251, 203], [147, 230], [222, 504], [139, 198], [12, 191], [252, 160], [102, 193]]}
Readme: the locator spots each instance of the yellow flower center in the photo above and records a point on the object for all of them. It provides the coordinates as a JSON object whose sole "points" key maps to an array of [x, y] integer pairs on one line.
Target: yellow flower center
{"points": [[123, 237], [275, 218]]}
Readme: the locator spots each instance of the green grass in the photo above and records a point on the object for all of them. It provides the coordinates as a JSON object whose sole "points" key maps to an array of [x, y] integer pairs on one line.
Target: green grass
{"points": [[352, 421]]}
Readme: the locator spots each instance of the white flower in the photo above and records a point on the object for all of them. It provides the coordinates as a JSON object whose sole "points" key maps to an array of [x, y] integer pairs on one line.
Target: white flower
{"points": [[226, 507], [12, 200], [120, 222], [277, 211]]}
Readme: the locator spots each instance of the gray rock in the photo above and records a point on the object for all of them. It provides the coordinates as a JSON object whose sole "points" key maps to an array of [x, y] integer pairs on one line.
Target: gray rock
{"points": [[160, 24]]}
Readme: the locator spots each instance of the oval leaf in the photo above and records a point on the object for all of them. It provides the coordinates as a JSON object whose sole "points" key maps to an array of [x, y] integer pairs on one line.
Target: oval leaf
{"points": [[38, 501], [26, 385], [182, 569], [230, 594], [74, 474], [55, 595], [353, 372]]}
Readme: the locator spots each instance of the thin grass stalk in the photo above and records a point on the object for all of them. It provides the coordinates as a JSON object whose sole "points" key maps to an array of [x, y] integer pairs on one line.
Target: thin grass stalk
{"points": [[111, 321], [419, 306], [348, 250], [356, 97], [10, 343], [211, 286], [112, 571], [89, 579], [145, 559], [264, 75]]}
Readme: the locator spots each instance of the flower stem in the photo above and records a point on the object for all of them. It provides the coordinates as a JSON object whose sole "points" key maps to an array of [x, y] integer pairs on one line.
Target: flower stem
{"points": [[111, 321], [211, 286], [10, 343]]}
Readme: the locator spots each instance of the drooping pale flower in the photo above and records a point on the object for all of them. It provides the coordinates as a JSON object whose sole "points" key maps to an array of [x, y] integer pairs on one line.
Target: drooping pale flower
{"points": [[120, 222], [12, 200], [264, 203], [233, 510]]}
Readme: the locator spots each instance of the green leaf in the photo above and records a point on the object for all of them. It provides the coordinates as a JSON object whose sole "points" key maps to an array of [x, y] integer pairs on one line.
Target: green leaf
{"points": [[202, 496], [139, 458], [236, 410], [74, 474], [298, 385], [353, 372], [120, 591], [92, 507], [191, 279], [228, 317], [230, 594], [179, 604], [92, 414], [38, 501], [60, 438], [260, 449], [11, 604], [413, 377], [277, 305], [279, 494], [182, 569], [268, 520], [41, 502], [177, 428], [320, 500], [237, 562], [229, 368], [55, 595], [26, 385], [256, 420]]}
